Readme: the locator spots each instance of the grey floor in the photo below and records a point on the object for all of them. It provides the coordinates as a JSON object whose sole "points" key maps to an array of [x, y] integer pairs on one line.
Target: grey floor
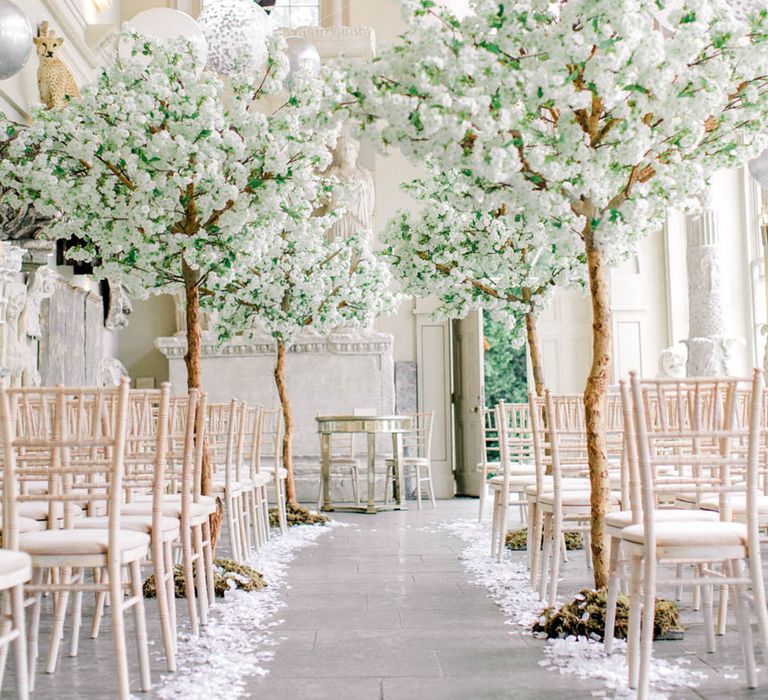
{"points": [[384, 610]]}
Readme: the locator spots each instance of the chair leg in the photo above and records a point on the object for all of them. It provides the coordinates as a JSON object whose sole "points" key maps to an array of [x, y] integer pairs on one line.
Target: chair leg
{"points": [[118, 633], [431, 486], [245, 546], [161, 591], [388, 469], [282, 512], [646, 627], [501, 532], [614, 577], [483, 493], [744, 624], [20, 643], [99, 576], [34, 628], [170, 587], [545, 556], [558, 541], [189, 579], [355, 484], [706, 611], [635, 609], [77, 613], [758, 597], [495, 520], [140, 622], [57, 631], [202, 591], [534, 541], [208, 560], [418, 487], [722, 606]]}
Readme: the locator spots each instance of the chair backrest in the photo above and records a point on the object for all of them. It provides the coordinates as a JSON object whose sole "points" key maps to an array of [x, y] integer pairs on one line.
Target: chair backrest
{"points": [[270, 436], [693, 425], [417, 442], [490, 448], [147, 445], [74, 438], [223, 429]]}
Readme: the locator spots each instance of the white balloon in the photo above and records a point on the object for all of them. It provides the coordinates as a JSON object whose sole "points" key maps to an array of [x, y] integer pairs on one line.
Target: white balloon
{"points": [[237, 32], [302, 55], [165, 23]]}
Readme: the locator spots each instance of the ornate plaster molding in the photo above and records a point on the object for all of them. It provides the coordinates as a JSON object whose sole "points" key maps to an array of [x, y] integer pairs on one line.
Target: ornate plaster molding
{"points": [[335, 42], [342, 343]]}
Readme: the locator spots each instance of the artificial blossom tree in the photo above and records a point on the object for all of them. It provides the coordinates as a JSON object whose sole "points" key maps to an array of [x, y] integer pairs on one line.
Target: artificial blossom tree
{"points": [[592, 116], [306, 281], [171, 177], [468, 248]]}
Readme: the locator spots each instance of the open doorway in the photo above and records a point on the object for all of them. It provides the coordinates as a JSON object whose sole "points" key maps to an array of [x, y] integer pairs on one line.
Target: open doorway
{"points": [[486, 369]]}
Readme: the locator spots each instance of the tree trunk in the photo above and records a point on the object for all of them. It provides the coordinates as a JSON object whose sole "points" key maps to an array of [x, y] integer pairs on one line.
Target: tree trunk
{"points": [[535, 354], [285, 403], [192, 360], [595, 394]]}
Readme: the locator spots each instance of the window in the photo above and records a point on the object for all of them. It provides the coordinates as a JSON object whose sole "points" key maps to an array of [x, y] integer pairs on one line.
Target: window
{"points": [[297, 13]]}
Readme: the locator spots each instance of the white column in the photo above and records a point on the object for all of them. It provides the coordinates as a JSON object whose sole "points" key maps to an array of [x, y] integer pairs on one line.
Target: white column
{"points": [[709, 348]]}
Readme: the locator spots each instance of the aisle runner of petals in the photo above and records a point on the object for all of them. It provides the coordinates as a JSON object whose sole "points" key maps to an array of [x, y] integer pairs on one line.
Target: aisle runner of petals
{"points": [[508, 585], [239, 637]]}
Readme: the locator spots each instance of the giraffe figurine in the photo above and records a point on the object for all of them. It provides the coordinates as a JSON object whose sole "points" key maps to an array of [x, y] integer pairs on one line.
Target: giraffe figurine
{"points": [[54, 79]]}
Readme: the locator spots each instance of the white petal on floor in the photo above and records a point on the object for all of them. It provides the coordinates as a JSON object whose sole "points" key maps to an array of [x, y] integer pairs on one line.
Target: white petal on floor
{"points": [[239, 639], [508, 585]]}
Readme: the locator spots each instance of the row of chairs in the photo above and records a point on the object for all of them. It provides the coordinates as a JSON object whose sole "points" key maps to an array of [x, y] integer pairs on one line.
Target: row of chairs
{"points": [[100, 485], [688, 490]]}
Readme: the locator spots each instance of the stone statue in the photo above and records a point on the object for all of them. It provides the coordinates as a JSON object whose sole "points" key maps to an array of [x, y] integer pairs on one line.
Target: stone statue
{"points": [[672, 361], [120, 307], [356, 196], [112, 371]]}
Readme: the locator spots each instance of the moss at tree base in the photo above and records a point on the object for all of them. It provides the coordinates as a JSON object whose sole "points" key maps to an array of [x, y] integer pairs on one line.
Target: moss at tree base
{"points": [[585, 617], [298, 515], [516, 540], [227, 575]]}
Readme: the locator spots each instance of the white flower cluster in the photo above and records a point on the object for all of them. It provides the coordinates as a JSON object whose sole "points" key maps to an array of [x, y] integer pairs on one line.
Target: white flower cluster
{"points": [[470, 250], [589, 115], [304, 280], [156, 165]]}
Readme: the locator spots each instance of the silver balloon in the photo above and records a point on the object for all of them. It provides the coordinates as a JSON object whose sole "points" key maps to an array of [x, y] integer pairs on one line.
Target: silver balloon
{"points": [[302, 55], [758, 169], [236, 32], [15, 39]]}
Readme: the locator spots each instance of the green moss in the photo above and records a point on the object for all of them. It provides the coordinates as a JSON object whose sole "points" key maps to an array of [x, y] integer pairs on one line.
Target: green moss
{"points": [[585, 617], [516, 540], [297, 515], [244, 577]]}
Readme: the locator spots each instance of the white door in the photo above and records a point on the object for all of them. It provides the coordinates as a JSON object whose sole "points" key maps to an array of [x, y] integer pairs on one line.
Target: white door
{"points": [[565, 336], [468, 398]]}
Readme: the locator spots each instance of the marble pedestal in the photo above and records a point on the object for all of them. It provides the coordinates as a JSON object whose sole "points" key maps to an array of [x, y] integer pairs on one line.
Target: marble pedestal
{"points": [[330, 374]]}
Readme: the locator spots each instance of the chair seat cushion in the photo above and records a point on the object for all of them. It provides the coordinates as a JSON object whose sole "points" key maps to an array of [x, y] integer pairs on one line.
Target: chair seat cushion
{"points": [[738, 504], [623, 518], [220, 485], [28, 525], [517, 482], [207, 501], [134, 523], [573, 498], [15, 568], [568, 484], [171, 509], [74, 542], [38, 510], [691, 534]]}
